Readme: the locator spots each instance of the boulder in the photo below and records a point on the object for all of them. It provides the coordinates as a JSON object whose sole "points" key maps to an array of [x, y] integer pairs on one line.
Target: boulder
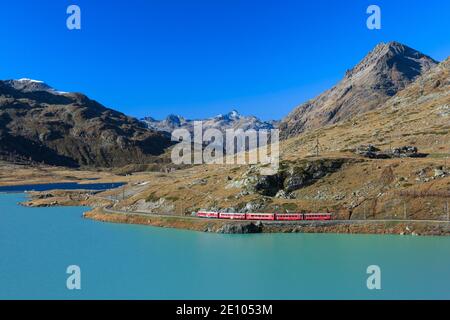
{"points": [[439, 173], [284, 195]]}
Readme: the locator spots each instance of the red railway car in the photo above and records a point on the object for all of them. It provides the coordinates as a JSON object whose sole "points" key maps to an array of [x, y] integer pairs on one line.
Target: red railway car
{"points": [[260, 216], [207, 214], [289, 216], [317, 216], [266, 216], [232, 216]]}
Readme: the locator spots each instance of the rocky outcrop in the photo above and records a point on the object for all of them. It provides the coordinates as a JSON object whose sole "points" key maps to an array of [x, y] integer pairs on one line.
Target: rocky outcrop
{"points": [[240, 228], [305, 174], [372, 152], [268, 185], [386, 70], [292, 176]]}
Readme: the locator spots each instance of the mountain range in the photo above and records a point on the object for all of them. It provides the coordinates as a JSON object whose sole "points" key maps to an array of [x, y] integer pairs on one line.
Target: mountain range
{"points": [[40, 124], [231, 120]]}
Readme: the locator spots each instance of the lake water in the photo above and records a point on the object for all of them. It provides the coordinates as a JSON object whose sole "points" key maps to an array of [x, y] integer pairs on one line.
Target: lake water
{"points": [[64, 185], [126, 261]]}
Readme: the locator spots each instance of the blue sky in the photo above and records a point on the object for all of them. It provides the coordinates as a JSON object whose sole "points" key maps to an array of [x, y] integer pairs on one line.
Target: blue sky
{"points": [[199, 58]]}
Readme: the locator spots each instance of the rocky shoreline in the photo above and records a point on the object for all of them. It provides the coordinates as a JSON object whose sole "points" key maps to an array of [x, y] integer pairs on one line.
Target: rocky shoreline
{"points": [[92, 200], [416, 228]]}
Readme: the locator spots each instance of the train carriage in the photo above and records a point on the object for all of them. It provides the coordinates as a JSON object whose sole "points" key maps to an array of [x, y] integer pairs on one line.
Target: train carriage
{"points": [[232, 216], [289, 216], [317, 216], [260, 216], [207, 214]]}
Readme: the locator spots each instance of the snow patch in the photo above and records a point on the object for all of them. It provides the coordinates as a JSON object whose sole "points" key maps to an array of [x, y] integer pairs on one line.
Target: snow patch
{"points": [[30, 80]]}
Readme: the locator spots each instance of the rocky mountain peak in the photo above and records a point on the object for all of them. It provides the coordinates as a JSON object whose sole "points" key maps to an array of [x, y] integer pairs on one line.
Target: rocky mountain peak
{"points": [[232, 115], [393, 55], [230, 120], [175, 120], [383, 72]]}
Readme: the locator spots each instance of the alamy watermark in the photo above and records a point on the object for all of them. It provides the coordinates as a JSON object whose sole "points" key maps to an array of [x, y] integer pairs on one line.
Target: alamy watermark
{"points": [[73, 22], [374, 280], [213, 146], [374, 20], [73, 282]]}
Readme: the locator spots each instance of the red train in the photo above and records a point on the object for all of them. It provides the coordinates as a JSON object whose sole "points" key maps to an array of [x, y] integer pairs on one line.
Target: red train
{"points": [[267, 216], [207, 214]]}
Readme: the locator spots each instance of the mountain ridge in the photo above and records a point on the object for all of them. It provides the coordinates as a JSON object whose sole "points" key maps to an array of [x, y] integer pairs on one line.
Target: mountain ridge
{"points": [[231, 120], [39, 124], [384, 71]]}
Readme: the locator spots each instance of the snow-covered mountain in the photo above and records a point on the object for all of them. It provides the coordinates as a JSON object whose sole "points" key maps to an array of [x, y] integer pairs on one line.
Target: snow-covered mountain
{"points": [[30, 85], [231, 120]]}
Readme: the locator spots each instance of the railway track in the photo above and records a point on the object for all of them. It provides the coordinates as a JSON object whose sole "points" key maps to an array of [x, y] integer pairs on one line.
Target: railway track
{"points": [[300, 222]]}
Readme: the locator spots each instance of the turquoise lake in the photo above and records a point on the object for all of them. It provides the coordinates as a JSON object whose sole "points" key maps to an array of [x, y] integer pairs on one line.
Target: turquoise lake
{"points": [[139, 262]]}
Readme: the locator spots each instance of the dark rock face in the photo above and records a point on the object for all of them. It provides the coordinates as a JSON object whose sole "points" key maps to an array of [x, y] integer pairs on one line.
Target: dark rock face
{"points": [[240, 228], [385, 71], [269, 185], [298, 177], [70, 130], [294, 176]]}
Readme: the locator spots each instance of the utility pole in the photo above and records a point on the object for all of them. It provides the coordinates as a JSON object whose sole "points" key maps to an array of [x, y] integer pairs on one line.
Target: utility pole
{"points": [[317, 146]]}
